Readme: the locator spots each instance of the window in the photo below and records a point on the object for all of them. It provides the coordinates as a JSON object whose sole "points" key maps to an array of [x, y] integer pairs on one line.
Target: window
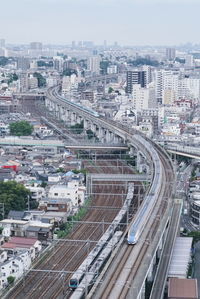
{"points": [[55, 194]]}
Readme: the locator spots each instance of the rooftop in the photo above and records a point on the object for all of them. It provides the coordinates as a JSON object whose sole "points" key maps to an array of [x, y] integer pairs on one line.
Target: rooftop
{"points": [[182, 288], [19, 242], [180, 257]]}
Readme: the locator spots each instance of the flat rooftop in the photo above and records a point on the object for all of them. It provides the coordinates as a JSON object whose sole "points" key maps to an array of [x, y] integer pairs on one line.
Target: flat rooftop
{"points": [[182, 288]]}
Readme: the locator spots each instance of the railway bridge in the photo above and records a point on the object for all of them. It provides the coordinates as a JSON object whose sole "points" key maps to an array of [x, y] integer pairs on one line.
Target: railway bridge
{"points": [[136, 266], [151, 158]]}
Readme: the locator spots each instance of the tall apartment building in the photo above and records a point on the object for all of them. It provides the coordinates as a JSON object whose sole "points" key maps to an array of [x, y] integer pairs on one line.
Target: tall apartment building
{"points": [[170, 53], [135, 77], [189, 60], [143, 98], [23, 63], [94, 64], [23, 79], [166, 83]]}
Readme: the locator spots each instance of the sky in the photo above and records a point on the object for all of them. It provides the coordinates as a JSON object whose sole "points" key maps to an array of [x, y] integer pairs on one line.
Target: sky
{"points": [[129, 22]]}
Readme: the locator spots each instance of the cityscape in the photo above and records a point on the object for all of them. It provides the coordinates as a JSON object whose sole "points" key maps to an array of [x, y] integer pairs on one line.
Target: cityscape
{"points": [[99, 151]]}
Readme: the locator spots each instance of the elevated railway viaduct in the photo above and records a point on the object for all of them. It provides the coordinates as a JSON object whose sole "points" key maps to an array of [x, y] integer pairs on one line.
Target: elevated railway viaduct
{"points": [[151, 158]]}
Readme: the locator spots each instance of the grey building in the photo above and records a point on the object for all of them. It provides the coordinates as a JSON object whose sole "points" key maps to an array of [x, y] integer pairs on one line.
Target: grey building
{"points": [[135, 77]]}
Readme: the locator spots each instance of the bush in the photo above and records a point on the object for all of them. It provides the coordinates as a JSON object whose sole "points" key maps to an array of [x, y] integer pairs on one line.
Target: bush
{"points": [[10, 279]]}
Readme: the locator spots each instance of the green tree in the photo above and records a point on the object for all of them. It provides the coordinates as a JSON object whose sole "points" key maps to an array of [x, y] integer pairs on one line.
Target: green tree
{"points": [[3, 60], [41, 79], [77, 128], [69, 72], [10, 279], [21, 128], [110, 90], [14, 196], [12, 77], [90, 134]]}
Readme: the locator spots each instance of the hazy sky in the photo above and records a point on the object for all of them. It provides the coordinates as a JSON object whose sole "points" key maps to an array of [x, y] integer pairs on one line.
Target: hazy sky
{"points": [[133, 22]]}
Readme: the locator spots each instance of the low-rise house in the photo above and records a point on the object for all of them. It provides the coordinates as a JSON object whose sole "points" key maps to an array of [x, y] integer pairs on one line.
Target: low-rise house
{"points": [[16, 215], [41, 231], [54, 178], [37, 193], [12, 227], [56, 205], [17, 244], [14, 265], [26, 228]]}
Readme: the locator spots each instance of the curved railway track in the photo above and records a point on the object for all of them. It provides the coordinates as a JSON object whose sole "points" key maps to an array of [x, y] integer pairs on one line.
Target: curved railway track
{"points": [[56, 291], [119, 281]]}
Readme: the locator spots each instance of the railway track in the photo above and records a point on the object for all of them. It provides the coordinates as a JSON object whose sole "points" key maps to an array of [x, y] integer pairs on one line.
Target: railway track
{"points": [[118, 282], [166, 185], [67, 257]]}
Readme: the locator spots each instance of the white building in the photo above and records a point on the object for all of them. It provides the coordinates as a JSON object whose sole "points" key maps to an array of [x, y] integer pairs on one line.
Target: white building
{"points": [[14, 266], [189, 60], [71, 191], [189, 88], [69, 84], [143, 98], [94, 64], [32, 82], [112, 69], [37, 193]]}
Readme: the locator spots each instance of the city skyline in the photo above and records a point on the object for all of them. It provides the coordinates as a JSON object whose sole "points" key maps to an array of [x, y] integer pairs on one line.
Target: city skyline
{"points": [[136, 22]]}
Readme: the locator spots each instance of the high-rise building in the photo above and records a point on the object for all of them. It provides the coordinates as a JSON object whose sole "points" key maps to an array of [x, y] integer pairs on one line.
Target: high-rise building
{"points": [[2, 43], [135, 77], [23, 63], [23, 79], [170, 53], [189, 60], [58, 63], [143, 98], [94, 64]]}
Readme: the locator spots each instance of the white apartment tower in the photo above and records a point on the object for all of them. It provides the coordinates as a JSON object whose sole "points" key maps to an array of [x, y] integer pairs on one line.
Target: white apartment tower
{"points": [[94, 64]]}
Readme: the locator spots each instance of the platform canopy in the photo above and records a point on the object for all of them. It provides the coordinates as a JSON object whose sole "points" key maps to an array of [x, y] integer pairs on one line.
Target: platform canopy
{"points": [[180, 257]]}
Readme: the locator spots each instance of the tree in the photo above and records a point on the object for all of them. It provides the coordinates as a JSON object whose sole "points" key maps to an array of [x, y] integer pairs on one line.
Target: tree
{"points": [[14, 196], [3, 61], [69, 72], [110, 90], [90, 134], [12, 77], [40, 78], [21, 128], [10, 279], [77, 128]]}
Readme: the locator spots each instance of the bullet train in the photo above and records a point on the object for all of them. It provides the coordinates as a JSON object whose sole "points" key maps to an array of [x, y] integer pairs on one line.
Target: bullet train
{"points": [[148, 204]]}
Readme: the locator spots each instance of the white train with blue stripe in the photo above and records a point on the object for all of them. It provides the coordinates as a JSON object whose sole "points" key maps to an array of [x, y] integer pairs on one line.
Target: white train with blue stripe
{"points": [[90, 276], [88, 262], [144, 212]]}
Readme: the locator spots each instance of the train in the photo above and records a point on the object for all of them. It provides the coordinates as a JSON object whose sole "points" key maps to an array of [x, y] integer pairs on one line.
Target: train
{"points": [[90, 276], [142, 216], [76, 105], [78, 275]]}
